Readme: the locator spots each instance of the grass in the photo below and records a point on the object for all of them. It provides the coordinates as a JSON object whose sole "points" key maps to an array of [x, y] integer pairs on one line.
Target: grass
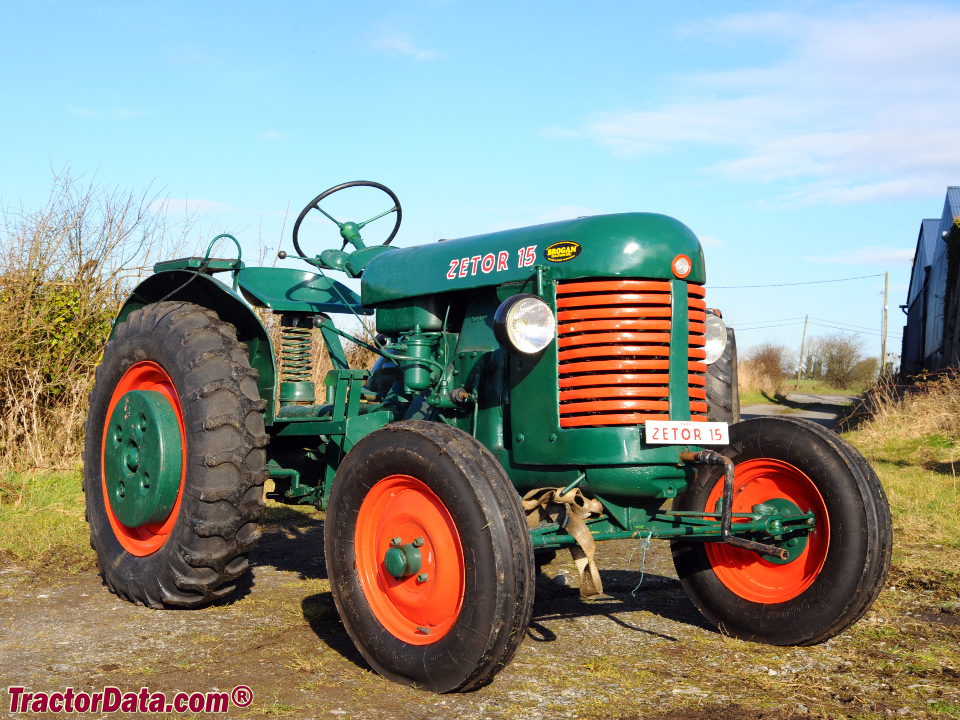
{"points": [[41, 521], [759, 396]]}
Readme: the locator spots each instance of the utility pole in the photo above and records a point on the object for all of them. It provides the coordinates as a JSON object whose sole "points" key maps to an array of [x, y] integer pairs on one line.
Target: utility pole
{"points": [[803, 341], [886, 297]]}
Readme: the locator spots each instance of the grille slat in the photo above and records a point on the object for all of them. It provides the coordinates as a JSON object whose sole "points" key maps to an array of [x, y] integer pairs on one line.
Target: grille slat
{"points": [[614, 348]]}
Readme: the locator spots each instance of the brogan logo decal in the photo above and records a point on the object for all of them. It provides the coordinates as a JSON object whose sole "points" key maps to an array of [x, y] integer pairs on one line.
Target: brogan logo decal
{"points": [[562, 251]]}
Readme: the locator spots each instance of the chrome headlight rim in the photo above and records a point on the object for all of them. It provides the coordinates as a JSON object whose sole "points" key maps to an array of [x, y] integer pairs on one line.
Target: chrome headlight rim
{"points": [[715, 338], [508, 316]]}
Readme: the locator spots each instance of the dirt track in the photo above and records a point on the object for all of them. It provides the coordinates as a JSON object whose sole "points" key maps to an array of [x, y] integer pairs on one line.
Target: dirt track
{"points": [[648, 655]]}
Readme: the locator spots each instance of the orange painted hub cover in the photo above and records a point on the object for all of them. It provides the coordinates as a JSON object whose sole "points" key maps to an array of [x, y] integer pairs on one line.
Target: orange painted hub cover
{"points": [[748, 574], [418, 609], [147, 539]]}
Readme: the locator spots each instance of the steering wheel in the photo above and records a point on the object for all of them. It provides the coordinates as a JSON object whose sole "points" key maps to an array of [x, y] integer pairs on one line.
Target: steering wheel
{"points": [[350, 231]]}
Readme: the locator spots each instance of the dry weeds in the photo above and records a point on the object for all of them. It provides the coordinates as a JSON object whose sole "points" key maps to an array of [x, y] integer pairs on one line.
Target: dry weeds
{"points": [[64, 270]]}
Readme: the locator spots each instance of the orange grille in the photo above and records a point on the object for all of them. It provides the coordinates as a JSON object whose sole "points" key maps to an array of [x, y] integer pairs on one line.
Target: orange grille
{"points": [[614, 352], [697, 311]]}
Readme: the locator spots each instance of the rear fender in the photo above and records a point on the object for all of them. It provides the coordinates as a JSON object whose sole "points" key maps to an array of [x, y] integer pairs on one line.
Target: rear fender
{"points": [[203, 290]]}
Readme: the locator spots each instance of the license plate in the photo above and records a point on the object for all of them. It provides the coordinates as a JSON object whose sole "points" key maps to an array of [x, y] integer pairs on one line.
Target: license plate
{"points": [[679, 432]]}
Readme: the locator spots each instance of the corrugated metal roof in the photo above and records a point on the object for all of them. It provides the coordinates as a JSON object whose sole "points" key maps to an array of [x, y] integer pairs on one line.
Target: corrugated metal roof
{"points": [[923, 257], [931, 233], [953, 201]]}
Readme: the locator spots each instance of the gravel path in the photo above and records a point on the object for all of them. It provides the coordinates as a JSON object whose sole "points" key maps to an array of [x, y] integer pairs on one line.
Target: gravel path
{"points": [[641, 648], [824, 409]]}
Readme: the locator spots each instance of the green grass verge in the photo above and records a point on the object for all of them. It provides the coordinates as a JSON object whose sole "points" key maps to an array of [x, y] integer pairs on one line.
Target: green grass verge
{"points": [[41, 521], [919, 475]]}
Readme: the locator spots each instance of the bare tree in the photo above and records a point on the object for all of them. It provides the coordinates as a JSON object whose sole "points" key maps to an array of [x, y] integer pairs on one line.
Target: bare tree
{"points": [[841, 353], [769, 363]]}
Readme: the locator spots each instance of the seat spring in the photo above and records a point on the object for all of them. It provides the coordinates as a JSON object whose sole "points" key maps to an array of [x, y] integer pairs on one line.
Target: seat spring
{"points": [[296, 350]]}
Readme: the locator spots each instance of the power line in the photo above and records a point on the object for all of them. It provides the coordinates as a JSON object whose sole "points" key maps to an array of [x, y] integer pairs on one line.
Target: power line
{"points": [[811, 282], [761, 322], [738, 328], [853, 332], [837, 322]]}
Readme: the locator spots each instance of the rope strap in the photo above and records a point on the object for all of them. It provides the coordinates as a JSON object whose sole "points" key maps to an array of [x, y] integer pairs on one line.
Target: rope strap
{"points": [[570, 511]]}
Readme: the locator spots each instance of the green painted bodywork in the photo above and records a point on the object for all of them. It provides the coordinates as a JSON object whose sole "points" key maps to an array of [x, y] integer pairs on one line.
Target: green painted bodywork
{"points": [[435, 306], [291, 290], [203, 290], [143, 458], [641, 245]]}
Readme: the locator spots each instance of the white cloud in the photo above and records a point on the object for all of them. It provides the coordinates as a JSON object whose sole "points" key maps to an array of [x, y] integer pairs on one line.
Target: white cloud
{"points": [[862, 106], [563, 212], [885, 256], [190, 57], [271, 135], [711, 242], [188, 206], [397, 42], [111, 113]]}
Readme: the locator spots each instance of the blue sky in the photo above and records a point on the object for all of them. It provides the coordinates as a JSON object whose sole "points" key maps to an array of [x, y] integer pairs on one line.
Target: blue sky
{"points": [[800, 141]]}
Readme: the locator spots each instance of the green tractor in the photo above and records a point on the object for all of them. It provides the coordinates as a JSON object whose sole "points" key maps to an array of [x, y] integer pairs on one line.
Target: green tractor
{"points": [[540, 388]]}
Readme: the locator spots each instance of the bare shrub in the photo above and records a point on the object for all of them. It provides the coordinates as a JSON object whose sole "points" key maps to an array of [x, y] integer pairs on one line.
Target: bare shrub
{"points": [[842, 358], [64, 270], [765, 367]]}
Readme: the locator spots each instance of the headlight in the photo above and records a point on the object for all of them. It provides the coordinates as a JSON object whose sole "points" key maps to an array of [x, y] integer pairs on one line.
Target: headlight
{"points": [[716, 338], [525, 324]]}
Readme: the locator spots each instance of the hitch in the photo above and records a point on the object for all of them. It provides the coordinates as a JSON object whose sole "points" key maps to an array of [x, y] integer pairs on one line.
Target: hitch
{"points": [[710, 457]]}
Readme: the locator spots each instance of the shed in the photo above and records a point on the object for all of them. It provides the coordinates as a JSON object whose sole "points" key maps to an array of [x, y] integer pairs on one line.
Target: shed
{"points": [[931, 335]]}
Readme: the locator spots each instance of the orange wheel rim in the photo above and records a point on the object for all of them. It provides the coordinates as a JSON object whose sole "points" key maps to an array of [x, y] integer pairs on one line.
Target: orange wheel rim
{"points": [[142, 541], [749, 575], [418, 612]]}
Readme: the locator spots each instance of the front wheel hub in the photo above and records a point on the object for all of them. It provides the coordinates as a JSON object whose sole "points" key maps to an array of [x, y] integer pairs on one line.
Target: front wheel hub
{"points": [[403, 560], [143, 458]]}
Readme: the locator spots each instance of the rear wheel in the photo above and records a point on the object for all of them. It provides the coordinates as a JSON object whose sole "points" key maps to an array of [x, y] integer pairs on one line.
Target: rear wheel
{"points": [[429, 556], [723, 389], [832, 576], [173, 459]]}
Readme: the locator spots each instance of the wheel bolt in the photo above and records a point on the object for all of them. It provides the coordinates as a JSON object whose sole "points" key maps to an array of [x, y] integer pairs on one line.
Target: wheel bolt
{"points": [[396, 542], [422, 577], [418, 542], [424, 630]]}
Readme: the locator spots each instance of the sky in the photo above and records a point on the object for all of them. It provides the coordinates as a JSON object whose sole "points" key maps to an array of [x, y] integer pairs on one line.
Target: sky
{"points": [[800, 141]]}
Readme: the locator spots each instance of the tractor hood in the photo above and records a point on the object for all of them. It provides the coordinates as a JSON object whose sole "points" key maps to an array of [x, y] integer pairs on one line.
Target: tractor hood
{"points": [[625, 245]]}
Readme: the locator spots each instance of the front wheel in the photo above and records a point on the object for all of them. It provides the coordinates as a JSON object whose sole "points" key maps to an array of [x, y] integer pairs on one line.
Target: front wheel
{"points": [[833, 575], [429, 556]]}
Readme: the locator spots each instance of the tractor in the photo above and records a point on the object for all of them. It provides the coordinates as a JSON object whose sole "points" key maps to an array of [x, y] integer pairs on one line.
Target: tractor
{"points": [[537, 389]]}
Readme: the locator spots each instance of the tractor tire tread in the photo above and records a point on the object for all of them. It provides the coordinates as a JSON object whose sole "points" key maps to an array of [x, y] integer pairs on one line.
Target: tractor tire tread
{"points": [[470, 655], [856, 567], [723, 390], [211, 365]]}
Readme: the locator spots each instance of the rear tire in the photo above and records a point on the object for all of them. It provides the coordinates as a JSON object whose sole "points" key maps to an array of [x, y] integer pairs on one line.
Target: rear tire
{"points": [[191, 556], [723, 388], [844, 564], [460, 624]]}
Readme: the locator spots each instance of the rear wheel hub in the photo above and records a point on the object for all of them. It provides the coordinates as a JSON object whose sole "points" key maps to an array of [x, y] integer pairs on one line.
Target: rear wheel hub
{"points": [[143, 458]]}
